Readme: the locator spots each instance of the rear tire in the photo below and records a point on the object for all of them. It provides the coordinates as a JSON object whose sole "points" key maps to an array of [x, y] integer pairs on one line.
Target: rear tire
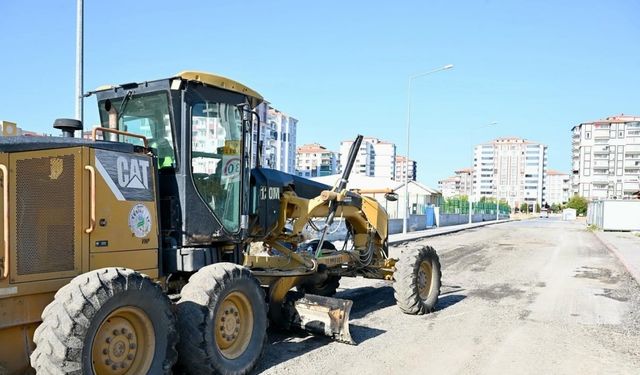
{"points": [[222, 318], [417, 280], [111, 320]]}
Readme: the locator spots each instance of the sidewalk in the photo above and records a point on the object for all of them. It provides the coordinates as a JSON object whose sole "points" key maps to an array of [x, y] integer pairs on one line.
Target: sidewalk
{"points": [[626, 246], [402, 237]]}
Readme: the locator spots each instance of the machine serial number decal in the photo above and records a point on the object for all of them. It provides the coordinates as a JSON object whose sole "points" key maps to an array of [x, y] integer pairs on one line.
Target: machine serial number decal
{"points": [[140, 221], [8, 291]]}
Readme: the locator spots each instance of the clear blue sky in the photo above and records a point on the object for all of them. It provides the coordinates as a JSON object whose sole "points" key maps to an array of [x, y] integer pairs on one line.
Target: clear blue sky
{"points": [[341, 67]]}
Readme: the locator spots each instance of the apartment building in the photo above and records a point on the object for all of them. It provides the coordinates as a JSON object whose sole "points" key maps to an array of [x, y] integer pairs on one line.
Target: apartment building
{"points": [[277, 138], [384, 155], [511, 169], [376, 158], [558, 187], [314, 160], [403, 167], [457, 185], [606, 158]]}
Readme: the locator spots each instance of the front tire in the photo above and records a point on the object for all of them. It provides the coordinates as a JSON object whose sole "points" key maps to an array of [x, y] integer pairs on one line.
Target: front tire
{"points": [[417, 280], [222, 318], [108, 321]]}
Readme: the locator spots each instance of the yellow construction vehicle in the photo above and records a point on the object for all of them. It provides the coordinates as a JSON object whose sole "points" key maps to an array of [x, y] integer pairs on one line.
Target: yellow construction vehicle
{"points": [[159, 243]]}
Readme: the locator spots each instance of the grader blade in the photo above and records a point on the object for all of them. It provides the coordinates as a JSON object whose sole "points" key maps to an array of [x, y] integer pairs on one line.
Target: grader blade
{"points": [[322, 315]]}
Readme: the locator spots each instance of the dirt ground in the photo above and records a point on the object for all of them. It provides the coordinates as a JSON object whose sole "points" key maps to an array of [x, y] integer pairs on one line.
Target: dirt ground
{"points": [[538, 296]]}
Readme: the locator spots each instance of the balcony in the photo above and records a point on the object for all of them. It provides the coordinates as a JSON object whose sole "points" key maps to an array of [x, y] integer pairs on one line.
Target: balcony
{"points": [[632, 163], [600, 163]]}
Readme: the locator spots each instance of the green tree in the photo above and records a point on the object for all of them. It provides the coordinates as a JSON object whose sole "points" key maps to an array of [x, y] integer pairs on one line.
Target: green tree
{"points": [[524, 208], [537, 207], [579, 204]]}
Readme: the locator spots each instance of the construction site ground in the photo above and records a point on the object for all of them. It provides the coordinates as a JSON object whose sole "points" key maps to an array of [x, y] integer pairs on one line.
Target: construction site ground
{"points": [[538, 296]]}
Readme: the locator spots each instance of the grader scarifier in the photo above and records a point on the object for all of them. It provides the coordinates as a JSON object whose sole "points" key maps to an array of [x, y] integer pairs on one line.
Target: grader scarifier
{"points": [[162, 244]]}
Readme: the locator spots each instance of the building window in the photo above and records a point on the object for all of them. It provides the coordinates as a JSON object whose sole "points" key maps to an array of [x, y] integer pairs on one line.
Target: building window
{"points": [[587, 135]]}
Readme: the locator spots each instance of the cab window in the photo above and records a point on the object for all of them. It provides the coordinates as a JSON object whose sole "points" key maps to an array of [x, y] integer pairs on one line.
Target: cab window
{"points": [[216, 136], [147, 115]]}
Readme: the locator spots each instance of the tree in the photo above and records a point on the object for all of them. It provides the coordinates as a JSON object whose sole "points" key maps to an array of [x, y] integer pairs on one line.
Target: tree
{"points": [[579, 204], [537, 207], [524, 208]]}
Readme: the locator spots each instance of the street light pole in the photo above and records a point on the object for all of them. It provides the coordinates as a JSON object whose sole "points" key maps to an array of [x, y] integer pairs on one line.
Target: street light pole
{"points": [[79, 59], [406, 162]]}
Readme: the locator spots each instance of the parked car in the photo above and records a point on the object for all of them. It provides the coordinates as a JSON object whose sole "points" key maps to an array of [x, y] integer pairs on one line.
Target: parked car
{"points": [[544, 212]]}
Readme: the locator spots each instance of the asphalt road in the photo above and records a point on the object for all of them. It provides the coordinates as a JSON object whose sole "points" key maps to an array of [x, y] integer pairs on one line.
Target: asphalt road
{"points": [[533, 297]]}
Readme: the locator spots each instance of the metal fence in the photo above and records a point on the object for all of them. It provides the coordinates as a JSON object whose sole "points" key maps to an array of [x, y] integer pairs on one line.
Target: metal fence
{"points": [[461, 206]]}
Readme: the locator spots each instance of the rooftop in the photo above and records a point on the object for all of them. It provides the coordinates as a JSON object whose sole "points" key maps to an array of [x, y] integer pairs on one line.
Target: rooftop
{"points": [[552, 172], [370, 140], [312, 147], [365, 182], [611, 119], [510, 139], [464, 170], [401, 158]]}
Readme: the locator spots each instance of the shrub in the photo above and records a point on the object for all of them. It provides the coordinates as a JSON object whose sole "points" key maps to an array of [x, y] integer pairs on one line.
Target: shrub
{"points": [[579, 204]]}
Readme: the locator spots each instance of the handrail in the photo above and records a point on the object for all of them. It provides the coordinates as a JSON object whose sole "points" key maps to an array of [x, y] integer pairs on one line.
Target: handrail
{"points": [[373, 191], [5, 222], [95, 130], [92, 172]]}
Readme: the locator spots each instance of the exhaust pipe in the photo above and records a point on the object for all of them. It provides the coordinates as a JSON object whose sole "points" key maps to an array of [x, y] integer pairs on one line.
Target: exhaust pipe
{"points": [[68, 126], [113, 119]]}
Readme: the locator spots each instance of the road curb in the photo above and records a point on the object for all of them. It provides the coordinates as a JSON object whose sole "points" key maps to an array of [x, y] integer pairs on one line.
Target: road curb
{"points": [[452, 230], [631, 269]]}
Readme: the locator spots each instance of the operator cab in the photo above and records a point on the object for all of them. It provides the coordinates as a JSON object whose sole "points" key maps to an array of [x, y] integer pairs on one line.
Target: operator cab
{"points": [[198, 126]]}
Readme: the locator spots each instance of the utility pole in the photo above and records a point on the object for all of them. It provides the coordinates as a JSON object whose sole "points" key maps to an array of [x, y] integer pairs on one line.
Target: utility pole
{"points": [[79, 60], [405, 222]]}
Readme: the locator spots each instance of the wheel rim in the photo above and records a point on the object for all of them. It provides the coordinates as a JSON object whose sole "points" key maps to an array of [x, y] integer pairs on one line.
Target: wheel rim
{"points": [[425, 273], [234, 325], [124, 343]]}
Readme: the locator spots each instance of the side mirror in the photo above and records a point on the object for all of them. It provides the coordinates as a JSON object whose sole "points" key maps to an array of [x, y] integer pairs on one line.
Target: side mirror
{"points": [[391, 197]]}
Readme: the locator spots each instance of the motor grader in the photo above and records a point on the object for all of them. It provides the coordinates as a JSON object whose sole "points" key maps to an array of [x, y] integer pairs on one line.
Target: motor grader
{"points": [[158, 243]]}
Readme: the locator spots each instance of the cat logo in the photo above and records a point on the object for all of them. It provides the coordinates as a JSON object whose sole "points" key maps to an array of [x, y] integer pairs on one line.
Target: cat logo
{"points": [[57, 166], [132, 173], [128, 176]]}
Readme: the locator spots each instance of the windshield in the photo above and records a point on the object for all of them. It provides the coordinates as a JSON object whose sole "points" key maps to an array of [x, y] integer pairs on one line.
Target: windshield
{"points": [[147, 115], [216, 159]]}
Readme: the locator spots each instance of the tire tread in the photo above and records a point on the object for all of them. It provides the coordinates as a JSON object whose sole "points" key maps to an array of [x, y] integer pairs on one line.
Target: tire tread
{"points": [[65, 322], [406, 291], [203, 290]]}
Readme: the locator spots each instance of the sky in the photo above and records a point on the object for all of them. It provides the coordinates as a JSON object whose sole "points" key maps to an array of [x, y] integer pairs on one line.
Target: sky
{"points": [[532, 69]]}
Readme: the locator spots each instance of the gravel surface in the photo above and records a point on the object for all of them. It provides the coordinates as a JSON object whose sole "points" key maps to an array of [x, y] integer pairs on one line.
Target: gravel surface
{"points": [[537, 296]]}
